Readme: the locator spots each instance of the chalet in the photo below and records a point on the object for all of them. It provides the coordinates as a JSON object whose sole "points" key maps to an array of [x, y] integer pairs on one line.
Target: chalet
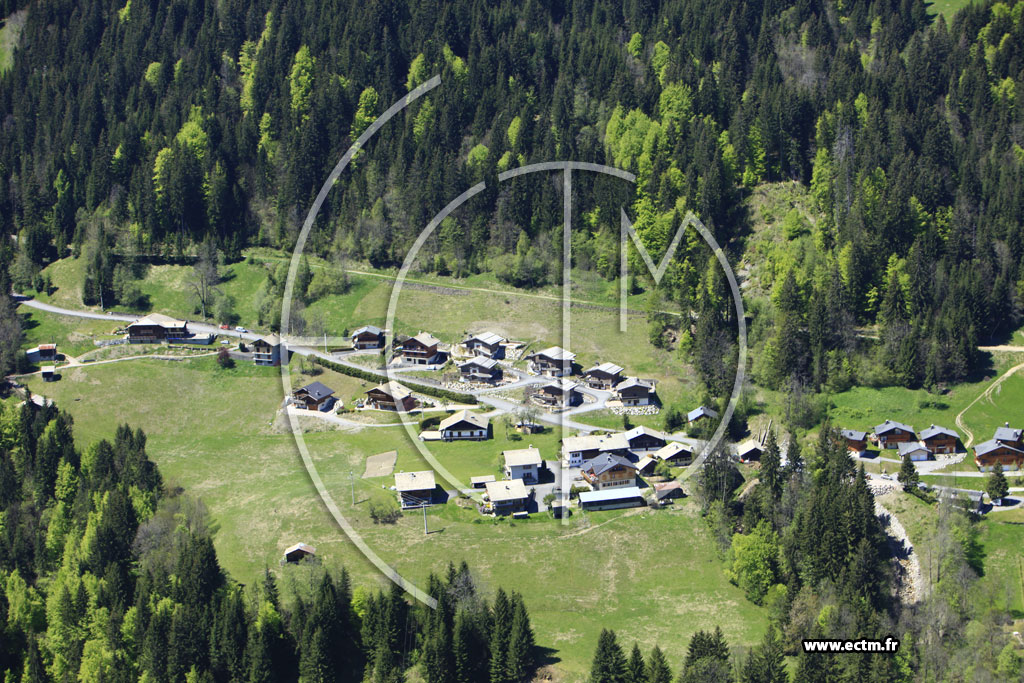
{"points": [[674, 453], [421, 349], [391, 396], [939, 439], [49, 373], [576, 450], [612, 499], [507, 497], [156, 328], [523, 463], [1010, 436], [856, 442], [42, 353], [749, 450], [267, 350], [480, 369], [368, 337], [603, 376], [486, 344], [464, 425], [666, 492], [299, 552], [993, 451], [415, 489], [609, 471], [553, 361], [643, 439], [891, 433], [559, 393], [315, 396], [701, 413], [915, 449], [646, 465], [481, 481], [636, 392]]}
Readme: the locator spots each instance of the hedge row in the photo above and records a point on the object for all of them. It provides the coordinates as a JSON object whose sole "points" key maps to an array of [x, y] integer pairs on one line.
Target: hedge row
{"points": [[359, 373]]}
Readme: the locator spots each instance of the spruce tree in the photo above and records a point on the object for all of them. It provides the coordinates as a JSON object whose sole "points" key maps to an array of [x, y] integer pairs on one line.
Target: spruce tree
{"points": [[658, 670], [996, 487], [520, 662], [771, 477], [908, 473], [609, 665], [636, 668], [501, 618]]}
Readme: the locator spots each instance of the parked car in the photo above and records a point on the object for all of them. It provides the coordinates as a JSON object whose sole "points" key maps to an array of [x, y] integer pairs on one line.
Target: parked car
{"points": [[225, 326], [240, 329]]}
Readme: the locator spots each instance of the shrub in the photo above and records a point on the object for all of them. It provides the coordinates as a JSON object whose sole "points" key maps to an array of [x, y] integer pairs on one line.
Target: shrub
{"points": [[384, 513], [224, 359]]}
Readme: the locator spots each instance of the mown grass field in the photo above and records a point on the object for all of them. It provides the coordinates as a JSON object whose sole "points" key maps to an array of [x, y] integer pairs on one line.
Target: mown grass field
{"points": [[947, 8], [655, 575], [74, 336]]}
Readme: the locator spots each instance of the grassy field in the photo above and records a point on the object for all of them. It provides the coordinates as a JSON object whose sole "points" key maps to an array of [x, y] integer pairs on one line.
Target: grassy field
{"points": [[655, 575], [10, 36], [947, 8], [74, 336], [1003, 405]]}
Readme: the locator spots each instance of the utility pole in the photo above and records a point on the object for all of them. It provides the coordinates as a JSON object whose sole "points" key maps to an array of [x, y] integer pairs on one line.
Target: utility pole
{"points": [[424, 508], [352, 481]]}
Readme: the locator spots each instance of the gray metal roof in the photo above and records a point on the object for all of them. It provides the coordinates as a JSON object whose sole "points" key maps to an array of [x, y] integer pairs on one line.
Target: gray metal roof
{"points": [[641, 430], [372, 329], [605, 462], [624, 493], [991, 445], [934, 430], [474, 419], [609, 368], [853, 434], [1007, 433], [316, 390], [487, 363], [890, 425], [555, 353], [911, 447], [488, 338], [701, 412]]}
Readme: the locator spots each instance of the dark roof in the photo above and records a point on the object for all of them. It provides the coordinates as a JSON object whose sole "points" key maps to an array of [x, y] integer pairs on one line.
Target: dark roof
{"points": [[853, 434], [1008, 433], [890, 425], [702, 411], [605, 462], [991, 445], [372, 329], [316, 390], [933, 430]]}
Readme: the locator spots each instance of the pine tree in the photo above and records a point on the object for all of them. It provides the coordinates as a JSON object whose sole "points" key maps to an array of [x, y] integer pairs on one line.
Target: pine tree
{"points": [[658, 670], [908, 473], [771, 476], [636, 669], [997, 487], [520, 661], [609, 665], [501, 619]]}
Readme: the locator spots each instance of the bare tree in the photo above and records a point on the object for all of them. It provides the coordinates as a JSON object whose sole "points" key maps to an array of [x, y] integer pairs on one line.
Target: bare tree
{"points": [[206, 276]]}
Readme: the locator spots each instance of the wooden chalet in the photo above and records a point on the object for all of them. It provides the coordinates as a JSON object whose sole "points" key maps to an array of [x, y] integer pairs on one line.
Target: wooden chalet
{"points": [[890, 434], [674, 453], [609, 471], [391, 396], [643, 439], [486, 344], [603, 376], [749, 450], [368, 337], [465, 425], [42, 353], [939, 439], [553, 361], [415, 489], [636, 392], [701, 413], [298, 552], [480, 369], [1010, 436], [993, 451], [267, 350], [315, 396], [421, 349], [559, 393], [666, 492], [155, 328], [507, 497], [856, 442]]}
